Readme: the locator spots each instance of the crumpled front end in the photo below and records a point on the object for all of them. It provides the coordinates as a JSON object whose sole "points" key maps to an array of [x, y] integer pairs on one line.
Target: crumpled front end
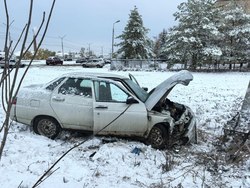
{"points": [[185, 130], [181, 122]]}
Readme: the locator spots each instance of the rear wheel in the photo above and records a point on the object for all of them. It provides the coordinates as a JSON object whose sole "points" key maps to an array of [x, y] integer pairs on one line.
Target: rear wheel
{"points": [[47, 126], [158, 136]]}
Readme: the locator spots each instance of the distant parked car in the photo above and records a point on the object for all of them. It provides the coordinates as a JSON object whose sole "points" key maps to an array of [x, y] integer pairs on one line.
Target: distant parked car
{"points": [[68, 59], [98, 63], [10, 64], [54, 61], [107, 104], [107, 61], [81, 60]]}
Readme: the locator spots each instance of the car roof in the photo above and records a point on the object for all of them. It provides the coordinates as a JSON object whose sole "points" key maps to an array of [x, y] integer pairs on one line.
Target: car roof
{"points": [[94, 75]]}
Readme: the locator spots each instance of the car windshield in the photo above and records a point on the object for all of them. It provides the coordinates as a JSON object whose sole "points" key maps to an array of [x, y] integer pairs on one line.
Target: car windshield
{"points": [[139, 92]]}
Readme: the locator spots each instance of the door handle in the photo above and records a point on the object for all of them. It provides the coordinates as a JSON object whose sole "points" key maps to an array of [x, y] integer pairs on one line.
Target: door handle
{"points": [[101, 107], [58, 99]]}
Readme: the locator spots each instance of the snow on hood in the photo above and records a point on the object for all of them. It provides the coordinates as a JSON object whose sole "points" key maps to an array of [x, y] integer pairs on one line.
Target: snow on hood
{"points": [[163, 89]]}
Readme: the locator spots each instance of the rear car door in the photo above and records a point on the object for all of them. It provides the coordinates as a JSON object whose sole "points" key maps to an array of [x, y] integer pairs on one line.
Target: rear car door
{"points": [[112, 116], [72, 102]]}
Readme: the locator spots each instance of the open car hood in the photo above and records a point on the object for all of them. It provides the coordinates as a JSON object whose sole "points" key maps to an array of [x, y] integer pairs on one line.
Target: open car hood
{"points": [[162, 90]]}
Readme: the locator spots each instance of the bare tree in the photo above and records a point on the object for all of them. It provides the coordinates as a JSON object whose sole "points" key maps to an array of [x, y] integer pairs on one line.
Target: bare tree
{"points": [[9, 83]]}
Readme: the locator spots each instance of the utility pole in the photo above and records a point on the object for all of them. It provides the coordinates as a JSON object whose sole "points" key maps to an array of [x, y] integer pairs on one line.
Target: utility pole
{"points": [[89, 49], [34, 38], [102, 51], [62, 44], [113, 33]]}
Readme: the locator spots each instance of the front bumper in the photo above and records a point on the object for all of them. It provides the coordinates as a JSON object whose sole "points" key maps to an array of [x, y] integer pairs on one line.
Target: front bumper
{"points": [[185, 130], [191, 133]]}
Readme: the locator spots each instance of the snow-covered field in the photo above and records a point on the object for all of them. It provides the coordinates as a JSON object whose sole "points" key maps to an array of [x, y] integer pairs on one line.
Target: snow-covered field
{"points": [[214, 97]]}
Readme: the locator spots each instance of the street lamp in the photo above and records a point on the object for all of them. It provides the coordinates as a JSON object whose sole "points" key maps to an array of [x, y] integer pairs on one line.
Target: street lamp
{"points": [[113, 32]]}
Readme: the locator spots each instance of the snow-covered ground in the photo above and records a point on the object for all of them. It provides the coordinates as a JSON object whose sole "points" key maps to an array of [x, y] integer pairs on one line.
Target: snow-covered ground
{"points": [[214, 97]]}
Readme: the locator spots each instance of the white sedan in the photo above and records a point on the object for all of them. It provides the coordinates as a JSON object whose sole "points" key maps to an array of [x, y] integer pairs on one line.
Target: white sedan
{"points": [[107, 104]]}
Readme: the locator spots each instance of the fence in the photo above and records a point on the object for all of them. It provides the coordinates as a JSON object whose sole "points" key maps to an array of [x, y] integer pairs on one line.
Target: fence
{"points": [[163, 65]]}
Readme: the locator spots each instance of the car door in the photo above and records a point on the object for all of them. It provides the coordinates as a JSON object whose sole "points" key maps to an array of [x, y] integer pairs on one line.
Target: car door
{"points": [[113, 116], [72, 102]]}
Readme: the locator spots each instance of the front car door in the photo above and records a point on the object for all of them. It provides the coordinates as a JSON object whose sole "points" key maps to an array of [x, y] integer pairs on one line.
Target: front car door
{"points": [[112, 116], [72, 102]]}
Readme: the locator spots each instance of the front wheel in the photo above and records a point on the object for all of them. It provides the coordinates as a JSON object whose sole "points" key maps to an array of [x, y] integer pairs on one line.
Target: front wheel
{"points": [[158, 137], [47, 126]]}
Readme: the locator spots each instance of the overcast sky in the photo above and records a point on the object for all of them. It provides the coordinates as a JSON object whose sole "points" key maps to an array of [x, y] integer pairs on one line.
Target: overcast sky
{"points": [[88, 23]]}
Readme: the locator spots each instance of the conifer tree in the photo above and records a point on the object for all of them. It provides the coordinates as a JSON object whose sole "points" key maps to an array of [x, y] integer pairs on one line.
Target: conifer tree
{"points": [[235, 25], [134, 41], [160, 41], [193, 40]]}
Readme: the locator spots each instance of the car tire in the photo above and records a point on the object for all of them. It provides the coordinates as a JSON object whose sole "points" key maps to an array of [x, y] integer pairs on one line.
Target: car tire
{"points": [[46, 126], [158, 137]]}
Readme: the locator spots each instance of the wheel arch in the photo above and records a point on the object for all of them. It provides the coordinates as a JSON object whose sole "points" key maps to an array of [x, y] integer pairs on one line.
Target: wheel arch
{"points": [[47, 126], [164, 130], [43, 116], [164, 124]]}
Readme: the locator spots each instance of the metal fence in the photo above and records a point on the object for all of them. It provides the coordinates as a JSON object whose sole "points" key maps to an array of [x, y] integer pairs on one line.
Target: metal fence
{"points": [[163, 65]]}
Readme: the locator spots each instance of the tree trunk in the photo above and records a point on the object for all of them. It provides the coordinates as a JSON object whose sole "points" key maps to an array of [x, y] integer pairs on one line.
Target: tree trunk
{"points": [[11, 85]]}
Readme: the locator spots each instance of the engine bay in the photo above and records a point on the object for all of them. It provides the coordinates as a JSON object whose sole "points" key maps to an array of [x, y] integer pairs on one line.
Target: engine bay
{"points": [[176, 110]]}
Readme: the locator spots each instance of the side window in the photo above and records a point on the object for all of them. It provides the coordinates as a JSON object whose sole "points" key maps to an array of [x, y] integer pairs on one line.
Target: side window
{"points": [[85, 88], [109, 92], [54, 84], [76, 86]]}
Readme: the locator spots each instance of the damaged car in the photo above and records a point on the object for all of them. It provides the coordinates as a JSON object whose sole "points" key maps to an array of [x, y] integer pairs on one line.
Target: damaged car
{"points": [[107, 104]]}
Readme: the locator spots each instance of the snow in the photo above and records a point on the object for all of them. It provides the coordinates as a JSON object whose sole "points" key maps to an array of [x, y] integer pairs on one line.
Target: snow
{"points": [[213, 51], [214, 98]]}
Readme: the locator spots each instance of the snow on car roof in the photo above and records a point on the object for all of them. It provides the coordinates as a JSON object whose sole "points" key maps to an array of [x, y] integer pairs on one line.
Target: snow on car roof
{"points": [[93, 75]]}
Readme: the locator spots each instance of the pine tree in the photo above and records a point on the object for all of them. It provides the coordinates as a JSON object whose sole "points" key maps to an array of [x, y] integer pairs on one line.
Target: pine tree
{"points": [[160, 41], [134, 41], [235, 25], [194, 38]]}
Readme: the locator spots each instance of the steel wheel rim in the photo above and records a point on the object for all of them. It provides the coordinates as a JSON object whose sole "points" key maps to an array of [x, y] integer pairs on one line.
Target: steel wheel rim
{"points": [[156, 136], [46, 127]]}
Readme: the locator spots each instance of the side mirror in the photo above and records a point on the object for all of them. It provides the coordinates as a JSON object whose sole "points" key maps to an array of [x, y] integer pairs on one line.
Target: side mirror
{"points": [[131, 100]]}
